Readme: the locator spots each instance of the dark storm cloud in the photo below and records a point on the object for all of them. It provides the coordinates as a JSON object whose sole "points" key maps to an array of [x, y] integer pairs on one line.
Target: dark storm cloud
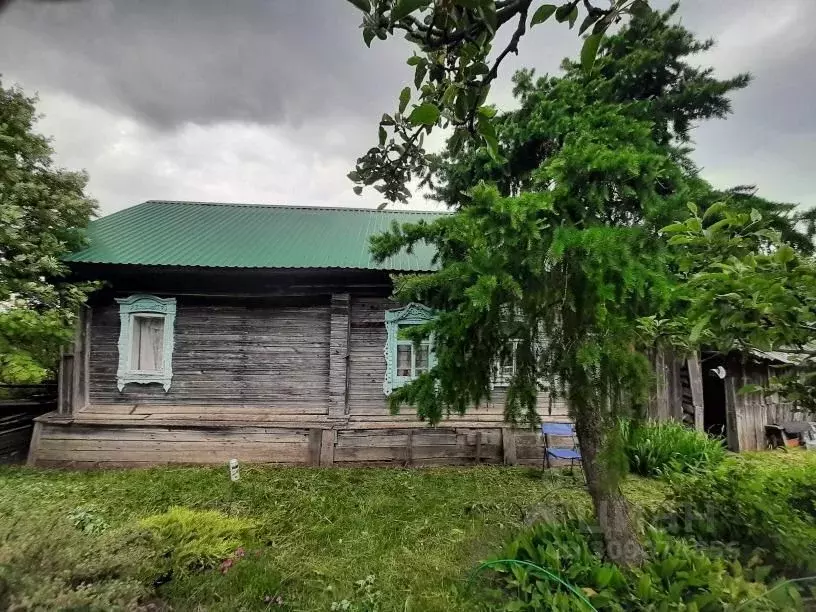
{"points": [[169, 62], [770, 139], [271, 100]]}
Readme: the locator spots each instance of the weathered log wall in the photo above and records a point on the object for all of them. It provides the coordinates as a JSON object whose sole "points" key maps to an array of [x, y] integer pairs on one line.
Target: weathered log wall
{"points": [[367, 403], [271, 356], [83, 445], [267, 383], [678, 395], [749, 413]]}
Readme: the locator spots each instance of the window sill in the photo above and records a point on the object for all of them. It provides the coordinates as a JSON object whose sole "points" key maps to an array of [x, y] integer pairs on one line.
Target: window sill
{"points": [[143, 378]]}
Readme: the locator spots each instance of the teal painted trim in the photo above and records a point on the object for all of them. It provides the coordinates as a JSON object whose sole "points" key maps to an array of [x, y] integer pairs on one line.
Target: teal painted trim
{"points": [[412, 314], [141, 304]]}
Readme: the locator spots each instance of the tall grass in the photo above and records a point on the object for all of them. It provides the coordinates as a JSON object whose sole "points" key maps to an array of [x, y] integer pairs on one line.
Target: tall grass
{"points": [[654, 448]]}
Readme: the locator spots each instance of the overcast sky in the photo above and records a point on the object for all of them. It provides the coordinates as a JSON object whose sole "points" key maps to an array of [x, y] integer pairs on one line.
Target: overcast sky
{"points": [[272, 100]]}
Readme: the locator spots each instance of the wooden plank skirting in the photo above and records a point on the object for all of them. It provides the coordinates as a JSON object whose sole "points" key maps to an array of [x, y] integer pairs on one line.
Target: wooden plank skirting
{"points": [[67, 442]]}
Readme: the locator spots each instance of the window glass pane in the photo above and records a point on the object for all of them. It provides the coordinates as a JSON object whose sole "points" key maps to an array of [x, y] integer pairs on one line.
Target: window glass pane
{"points": [[404, 359], [422, 359], [506, 371], [135, 342], [507, 365], [147, 344]]}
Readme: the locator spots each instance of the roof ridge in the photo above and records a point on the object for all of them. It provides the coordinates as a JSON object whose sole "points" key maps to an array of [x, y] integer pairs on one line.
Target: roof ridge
{"points": [[289, 206]]}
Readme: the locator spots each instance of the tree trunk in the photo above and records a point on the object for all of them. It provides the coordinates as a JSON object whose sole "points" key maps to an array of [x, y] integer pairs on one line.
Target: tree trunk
{"points": [[620, 539]]}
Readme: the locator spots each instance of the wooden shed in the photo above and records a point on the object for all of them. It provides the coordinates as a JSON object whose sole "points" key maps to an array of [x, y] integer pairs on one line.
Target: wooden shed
{"points": [[703, 391], [262, 333]]}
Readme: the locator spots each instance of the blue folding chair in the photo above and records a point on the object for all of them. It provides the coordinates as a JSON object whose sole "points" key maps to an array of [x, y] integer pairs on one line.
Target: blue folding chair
{"points": [[560, 430]]}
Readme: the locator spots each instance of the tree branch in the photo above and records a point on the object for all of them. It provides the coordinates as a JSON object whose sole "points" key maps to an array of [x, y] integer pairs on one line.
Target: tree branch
{"points": [[512, 47]]}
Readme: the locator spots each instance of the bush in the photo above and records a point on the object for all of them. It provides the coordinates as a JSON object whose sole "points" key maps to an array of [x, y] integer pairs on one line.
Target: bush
{"points": [[764, 511], [61, 567], [659, 448], [195, 539], [676, 576]]}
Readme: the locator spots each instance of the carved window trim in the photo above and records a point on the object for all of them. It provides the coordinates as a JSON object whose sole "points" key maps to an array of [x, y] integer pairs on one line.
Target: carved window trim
{"points": [[150, 306], [412, 314], [501, 379]]}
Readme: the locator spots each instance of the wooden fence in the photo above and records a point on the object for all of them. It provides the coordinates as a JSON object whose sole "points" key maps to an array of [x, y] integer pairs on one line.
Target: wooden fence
{"points": [[19, 405]]}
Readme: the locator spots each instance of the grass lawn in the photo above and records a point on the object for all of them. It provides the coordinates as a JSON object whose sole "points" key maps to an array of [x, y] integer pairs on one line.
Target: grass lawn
{"points": [[67, 538]]}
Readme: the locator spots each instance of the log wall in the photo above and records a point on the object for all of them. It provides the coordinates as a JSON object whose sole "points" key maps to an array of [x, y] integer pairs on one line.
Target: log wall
{"points": [[367, 403], [65, 443], [288, 384], [236, 355]]}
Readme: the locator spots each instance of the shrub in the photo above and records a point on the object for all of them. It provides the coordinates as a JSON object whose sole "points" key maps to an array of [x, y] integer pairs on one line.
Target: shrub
{"points": [[196, 539], [61, 567], [763, 511], [658, 448], [676, 576]]}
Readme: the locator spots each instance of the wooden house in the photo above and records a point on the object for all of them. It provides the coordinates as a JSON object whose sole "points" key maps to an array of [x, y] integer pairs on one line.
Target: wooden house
{"points": [[261, 333]]}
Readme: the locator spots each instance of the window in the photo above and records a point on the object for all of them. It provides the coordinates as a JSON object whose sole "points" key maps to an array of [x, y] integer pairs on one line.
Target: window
{"points": [[404, 359], [147, 343], [146, 340], [506, 368], [412, 359]]}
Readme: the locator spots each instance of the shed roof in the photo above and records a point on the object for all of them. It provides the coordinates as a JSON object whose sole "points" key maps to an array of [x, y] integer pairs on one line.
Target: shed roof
{"points": [[219, 235]]}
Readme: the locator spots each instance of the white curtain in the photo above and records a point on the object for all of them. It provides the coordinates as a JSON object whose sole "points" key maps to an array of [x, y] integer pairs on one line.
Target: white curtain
{"points": [[147, 344], [404, 359]]}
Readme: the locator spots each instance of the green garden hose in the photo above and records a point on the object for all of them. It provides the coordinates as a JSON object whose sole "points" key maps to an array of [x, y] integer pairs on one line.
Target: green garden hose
{"points": [[575, 591]]}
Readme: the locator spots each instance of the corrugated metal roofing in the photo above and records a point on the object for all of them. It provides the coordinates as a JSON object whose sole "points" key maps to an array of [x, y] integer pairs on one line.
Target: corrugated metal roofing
{"points": [[159, 233]]}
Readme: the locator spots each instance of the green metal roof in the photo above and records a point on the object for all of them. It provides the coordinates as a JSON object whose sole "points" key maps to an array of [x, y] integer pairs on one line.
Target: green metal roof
{"points": [[247, 236]]}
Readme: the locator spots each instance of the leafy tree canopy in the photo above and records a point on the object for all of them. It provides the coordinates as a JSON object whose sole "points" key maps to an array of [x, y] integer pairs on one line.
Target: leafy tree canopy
{"points": [[561, 273], [43, 209], [564, 259], [648, 68], [455, 66]]}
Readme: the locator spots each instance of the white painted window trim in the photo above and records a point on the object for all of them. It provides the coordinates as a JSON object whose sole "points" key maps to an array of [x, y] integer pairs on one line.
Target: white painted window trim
{"points": [[412, 314], [147, 306], [502, 382], [499, 379]]}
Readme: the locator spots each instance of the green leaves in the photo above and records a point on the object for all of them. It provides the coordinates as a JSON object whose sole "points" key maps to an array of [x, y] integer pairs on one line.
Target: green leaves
{"points": [[43, 214], [404, 98], [741, 287], [488, 133], [403, 8], [542, 14], [564, 12], [697, 331], [714, 209], [419, 74], [573, 16], [425, 114], [455, 63], [589, 50]]}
